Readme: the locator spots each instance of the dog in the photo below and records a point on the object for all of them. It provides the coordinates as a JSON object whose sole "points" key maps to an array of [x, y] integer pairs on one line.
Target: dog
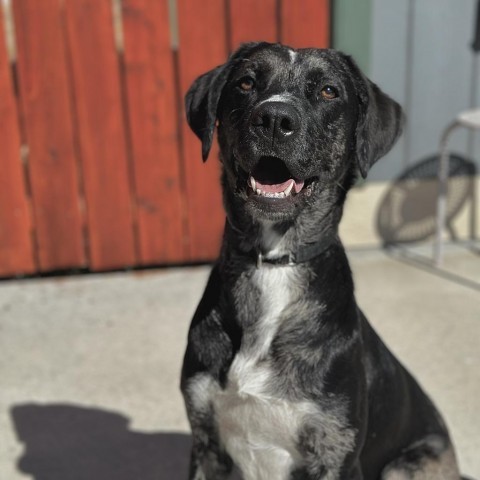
{"points": [[283, 376]]}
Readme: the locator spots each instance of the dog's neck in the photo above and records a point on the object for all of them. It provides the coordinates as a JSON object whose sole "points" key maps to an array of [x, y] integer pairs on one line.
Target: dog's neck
{"points": [[299, 239], [278, 244]]}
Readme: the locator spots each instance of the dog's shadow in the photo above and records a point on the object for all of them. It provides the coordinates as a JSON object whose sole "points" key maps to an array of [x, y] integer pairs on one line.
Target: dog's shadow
{"points": [[67, 442]]}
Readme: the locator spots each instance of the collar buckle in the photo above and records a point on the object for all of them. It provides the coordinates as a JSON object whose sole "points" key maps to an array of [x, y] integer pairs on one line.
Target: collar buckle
{"points": [[304, 254], [259, 260], [286, 260]]}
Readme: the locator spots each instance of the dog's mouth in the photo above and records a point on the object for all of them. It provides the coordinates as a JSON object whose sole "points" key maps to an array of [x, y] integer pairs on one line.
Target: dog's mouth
{"points": [[272, 179]]}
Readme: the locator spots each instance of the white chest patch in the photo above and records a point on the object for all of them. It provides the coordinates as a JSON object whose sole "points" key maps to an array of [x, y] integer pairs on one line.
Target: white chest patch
{"points": [[258, 429]]}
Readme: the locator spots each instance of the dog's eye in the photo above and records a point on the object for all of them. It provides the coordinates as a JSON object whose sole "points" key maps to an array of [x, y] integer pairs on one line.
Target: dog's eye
{"points": [[246, 84], [329, 92]]}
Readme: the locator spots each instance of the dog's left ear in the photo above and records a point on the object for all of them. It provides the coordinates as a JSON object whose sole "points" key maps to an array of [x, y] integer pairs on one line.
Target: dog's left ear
{"points": [[380, 124], [201, 104]]}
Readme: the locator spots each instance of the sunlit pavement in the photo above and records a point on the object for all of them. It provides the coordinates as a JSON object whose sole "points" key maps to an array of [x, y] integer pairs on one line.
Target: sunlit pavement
{"points": [[89, 365]]}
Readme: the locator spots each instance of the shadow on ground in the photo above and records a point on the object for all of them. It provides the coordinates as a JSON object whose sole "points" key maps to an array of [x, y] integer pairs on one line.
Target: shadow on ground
{"points": [[408, 211], [65, 442]]}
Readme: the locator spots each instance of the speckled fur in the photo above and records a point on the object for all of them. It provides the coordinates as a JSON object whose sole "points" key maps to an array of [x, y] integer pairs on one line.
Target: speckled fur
{"points": [[283, 375]]}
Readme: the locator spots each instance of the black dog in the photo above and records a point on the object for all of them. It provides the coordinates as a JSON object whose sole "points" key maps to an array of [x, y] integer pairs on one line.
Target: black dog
{"points": [[283, 375]]}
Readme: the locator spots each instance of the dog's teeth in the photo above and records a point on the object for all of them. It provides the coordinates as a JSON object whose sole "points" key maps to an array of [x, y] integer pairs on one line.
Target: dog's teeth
{"points": [[253, 184], [289, 189], [271, 194]]}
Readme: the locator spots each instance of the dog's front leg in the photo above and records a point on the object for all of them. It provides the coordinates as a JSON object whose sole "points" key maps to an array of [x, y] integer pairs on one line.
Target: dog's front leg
{"points": [[329, 448], [208, 355], [209, 461]]}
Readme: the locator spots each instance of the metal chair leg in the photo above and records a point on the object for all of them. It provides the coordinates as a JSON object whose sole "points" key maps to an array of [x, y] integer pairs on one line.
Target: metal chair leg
{"points": [[442, 195]]}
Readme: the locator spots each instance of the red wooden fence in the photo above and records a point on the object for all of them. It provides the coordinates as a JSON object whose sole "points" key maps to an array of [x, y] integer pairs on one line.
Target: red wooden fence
{"points": [[99, 169]]}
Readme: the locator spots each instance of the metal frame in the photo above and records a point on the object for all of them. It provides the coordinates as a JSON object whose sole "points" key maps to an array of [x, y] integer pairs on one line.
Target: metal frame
{"points": [[469, 119]]}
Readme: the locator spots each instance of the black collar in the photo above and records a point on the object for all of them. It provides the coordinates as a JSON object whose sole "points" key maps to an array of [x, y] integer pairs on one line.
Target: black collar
{"points": [[303, 254]]}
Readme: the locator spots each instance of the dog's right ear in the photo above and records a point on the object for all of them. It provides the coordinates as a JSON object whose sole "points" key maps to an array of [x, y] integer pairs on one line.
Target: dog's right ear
{"points": [[201, 104], [202, 98]]}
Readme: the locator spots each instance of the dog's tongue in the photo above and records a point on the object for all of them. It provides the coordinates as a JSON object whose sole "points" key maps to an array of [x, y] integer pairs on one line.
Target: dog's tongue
{"points": [[279, 187]]}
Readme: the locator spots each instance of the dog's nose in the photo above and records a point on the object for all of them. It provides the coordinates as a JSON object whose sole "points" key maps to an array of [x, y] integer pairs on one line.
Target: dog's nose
{"points": [[276, 121]]}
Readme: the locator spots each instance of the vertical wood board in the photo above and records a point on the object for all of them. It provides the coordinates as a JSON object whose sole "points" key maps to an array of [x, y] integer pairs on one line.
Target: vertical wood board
{"points": [[101, 133], [305, 23], [154, 129], [203, 46], [47, 113], [16, 252], [251, 20]]}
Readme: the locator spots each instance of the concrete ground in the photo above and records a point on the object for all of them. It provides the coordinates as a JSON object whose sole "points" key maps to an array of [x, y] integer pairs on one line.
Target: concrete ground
{"points": [[89, 365]]}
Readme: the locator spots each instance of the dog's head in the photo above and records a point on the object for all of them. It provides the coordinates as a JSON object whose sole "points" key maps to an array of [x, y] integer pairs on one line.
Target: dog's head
{"points": [[294, 127]]}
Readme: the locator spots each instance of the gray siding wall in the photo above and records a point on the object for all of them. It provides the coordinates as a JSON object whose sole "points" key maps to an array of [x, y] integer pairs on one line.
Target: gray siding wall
{"points": [[420, 54]]}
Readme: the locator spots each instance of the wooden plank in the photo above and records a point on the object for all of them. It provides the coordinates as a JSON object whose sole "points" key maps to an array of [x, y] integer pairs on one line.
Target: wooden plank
{"points": [[98, 100], [154, 128], [46, 108], [251, 20], [16, 252], [202, 46], [305, 23]]}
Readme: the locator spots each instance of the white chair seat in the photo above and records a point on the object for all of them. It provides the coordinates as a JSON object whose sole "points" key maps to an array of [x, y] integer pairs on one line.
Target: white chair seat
{"points": [[469, 118]]}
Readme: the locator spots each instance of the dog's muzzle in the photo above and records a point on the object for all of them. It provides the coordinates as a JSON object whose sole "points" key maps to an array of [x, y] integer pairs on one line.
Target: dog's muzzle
{"points": [[276, 126]]}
